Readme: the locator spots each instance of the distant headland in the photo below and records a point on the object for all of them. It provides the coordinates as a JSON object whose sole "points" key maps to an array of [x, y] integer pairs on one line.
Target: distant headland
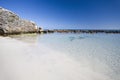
{"points": [[10, 23]]}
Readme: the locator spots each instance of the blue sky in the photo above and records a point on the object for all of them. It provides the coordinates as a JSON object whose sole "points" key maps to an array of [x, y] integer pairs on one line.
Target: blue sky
{"points": [[68, 14]]}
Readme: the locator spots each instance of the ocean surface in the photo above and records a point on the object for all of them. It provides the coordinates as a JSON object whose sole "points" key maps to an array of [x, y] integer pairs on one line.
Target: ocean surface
{"points": [[91, 56]]}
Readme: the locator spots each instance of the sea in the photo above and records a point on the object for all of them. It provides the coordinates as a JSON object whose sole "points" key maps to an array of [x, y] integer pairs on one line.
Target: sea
{"points": [[82, 56]]}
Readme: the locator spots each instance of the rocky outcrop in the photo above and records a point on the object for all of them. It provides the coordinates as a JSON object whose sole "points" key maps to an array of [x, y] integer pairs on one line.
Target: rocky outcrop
{"points": [[10, 23], [86, 31]]}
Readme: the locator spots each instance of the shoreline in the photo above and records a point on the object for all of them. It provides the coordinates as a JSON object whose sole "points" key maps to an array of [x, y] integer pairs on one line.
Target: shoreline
{"points": [[74, 31], [22, 61]]}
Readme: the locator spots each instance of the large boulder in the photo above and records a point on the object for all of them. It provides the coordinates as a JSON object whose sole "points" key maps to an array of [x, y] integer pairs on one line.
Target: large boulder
{"points": [[10, 23]]}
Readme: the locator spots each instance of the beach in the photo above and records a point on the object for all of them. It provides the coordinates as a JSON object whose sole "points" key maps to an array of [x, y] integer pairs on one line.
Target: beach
{"points": [[60, 40], [28, 61]]}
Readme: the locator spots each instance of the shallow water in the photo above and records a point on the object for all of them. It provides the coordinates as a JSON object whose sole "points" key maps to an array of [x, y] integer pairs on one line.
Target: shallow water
{"points": [[74, 56]]}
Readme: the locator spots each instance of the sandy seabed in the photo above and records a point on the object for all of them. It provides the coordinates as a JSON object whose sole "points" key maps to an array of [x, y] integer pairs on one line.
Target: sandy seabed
{"points": [[23, 61]]}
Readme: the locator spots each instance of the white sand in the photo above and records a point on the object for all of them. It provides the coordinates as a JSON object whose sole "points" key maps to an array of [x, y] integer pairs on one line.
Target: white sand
{"points": [[22, 61]]}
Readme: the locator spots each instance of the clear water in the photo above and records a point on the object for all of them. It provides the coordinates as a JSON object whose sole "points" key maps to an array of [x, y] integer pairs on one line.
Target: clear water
{"points": [[98, 53]]}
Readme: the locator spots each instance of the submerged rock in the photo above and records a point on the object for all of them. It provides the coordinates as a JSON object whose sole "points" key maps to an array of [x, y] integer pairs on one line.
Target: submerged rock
{"points": [[10, 23]]}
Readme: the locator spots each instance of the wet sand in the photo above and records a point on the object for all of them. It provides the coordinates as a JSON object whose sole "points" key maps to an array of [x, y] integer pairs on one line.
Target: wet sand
{"points": [[23, 61]]}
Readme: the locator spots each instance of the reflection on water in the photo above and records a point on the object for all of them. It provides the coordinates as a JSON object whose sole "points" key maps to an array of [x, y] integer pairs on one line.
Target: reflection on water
{"points": [[100, 53], [28, 38]]}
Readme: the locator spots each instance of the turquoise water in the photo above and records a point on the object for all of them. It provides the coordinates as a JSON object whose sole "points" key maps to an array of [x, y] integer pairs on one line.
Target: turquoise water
{"points": [[98, 52]]}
